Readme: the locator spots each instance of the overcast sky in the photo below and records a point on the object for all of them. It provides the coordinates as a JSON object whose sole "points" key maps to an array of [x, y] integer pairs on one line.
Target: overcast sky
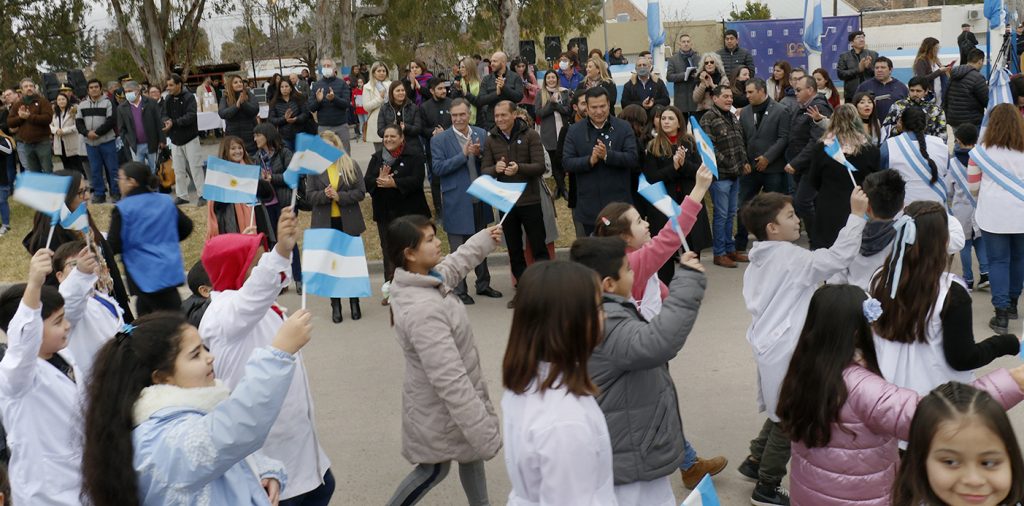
{"points": [[220, 27]]}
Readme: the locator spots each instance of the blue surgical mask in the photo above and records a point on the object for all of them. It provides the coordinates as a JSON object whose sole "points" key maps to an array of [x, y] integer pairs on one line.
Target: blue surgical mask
{"points": [[130, 96]]}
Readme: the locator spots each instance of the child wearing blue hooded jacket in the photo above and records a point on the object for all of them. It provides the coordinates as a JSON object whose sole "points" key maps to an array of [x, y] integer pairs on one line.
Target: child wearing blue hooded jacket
{"points": [[161, 430]]}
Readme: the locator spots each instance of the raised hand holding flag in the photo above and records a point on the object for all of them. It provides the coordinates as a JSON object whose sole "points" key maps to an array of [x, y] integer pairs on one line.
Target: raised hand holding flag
{"points": [[502, 196], [312, 157], [835, 152], [45, 193], [658, 196]]}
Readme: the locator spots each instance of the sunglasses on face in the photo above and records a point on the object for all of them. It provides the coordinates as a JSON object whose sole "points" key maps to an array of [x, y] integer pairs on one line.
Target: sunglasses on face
{"points": [[709, 63]]}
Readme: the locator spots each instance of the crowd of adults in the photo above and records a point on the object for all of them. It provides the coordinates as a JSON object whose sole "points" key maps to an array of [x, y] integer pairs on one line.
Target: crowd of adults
{"points": [[512, 121]]}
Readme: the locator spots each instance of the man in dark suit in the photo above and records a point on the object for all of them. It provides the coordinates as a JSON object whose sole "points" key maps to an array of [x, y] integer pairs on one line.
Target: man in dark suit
{"points": [[456, 155], [966, 41], [766, 130], [138, 121]]}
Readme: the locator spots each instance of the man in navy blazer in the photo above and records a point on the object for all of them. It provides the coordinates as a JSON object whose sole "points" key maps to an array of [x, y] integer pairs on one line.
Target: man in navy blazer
{"points": [[765, 125], [456, 161]]}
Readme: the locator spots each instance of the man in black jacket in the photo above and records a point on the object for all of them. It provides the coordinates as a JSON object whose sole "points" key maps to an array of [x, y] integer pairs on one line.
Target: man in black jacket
{"points": [[436, 119], [644, 89], [180, 115], [499, 85], [966, 41], [330, 99], [856, 65], [766, 129], [602, 152], [138, 121], [806, 127], [733, 55], [967, 93]]}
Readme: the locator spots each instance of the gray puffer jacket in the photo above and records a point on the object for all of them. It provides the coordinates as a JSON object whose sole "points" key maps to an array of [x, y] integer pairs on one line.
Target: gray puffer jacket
{"points": [[637, 394]]}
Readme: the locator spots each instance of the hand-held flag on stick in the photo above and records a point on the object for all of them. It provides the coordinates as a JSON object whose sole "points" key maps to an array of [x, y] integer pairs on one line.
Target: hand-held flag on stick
{"points": [[312, 157], [334, 264], [75, 220], [229, 182], [44, 193], [835, 152], [704, 147], [704, 494], [502, 196], [658, 196]]}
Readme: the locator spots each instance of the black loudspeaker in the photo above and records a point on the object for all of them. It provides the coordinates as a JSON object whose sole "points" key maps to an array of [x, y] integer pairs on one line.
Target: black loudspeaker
{"points": [[51, 86], [582, 42], [552, 47], [76, 79], [528, 51]]}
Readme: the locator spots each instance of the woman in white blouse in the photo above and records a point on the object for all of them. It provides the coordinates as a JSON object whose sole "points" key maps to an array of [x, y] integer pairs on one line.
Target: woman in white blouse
{"points": [[557, 449]]}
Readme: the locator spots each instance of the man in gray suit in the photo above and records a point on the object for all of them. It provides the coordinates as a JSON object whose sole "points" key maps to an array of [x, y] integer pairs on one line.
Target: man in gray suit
{"points": [[766, 131], [456, 161], [682, 71]]}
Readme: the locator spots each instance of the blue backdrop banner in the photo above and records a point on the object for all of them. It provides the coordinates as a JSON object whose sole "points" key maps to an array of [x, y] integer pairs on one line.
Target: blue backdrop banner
{"points": [[782, 39]]}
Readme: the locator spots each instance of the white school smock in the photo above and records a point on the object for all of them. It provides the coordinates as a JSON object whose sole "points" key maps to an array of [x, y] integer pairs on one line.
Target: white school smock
{"points": [[93, 323], [236, 324], [42, 413], [557, 448], [777, 289], [917, 188], [921, 366], [999, 211]]}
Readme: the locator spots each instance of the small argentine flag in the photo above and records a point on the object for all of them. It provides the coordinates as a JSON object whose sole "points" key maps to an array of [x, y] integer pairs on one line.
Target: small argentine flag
{"points": [[704, 147], [312, 156], [500, 195], [229, 182], [334, 264], [834, 151], [658, 196], [43, 192], [704, 494], [75, 220]]}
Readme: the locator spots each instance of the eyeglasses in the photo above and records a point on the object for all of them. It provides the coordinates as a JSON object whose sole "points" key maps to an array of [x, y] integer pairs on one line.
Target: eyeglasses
{"points": [[709, 63]]}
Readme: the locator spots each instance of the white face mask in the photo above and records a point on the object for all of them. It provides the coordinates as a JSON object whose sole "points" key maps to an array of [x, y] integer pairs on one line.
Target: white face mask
{"points": [[328, 71], [563, 65], [130, 96]]}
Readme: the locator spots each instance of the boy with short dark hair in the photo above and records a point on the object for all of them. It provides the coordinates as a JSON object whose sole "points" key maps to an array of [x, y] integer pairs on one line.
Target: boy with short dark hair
{"points": [[777, 288], [886, 191], [630, 369], [195, 305], [40, 397], [964, 205]]}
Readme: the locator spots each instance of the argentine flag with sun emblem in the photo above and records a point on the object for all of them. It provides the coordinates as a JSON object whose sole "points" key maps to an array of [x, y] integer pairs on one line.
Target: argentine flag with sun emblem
{"points": [[334, 264], [229, 182]]}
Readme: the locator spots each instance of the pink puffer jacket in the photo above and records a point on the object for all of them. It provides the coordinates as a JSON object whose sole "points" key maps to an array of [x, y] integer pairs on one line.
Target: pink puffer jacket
{"points": [[858, 467]]}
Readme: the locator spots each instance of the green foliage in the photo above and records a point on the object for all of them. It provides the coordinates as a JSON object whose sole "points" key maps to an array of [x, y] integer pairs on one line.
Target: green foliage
{"points": [[112, 59], [42, 35], [752, 10], [237, 50], [537, 18]]}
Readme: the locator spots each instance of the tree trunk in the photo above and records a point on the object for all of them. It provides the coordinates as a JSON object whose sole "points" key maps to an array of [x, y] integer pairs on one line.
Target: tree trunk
{"points": [[348, 18], [159, 69], [510, 28], [323, 31]]}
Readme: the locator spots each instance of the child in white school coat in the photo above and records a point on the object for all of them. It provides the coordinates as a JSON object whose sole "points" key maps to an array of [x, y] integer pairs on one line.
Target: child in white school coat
{"points": [[40, 392], [94, 315], [243, 317], [777, 288]]}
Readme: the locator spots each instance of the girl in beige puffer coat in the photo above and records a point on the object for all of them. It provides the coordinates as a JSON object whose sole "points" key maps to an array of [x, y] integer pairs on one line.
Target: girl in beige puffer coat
{"points": [[446, 411]]}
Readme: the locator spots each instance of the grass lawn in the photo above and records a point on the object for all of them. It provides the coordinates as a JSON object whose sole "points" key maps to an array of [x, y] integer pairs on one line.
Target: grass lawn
{"points": [[14, 258]]}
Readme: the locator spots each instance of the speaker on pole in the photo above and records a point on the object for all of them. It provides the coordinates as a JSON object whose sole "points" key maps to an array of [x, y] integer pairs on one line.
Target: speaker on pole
{"points": [[528, 51], [51, 86], [552, 47], [76, 79]]}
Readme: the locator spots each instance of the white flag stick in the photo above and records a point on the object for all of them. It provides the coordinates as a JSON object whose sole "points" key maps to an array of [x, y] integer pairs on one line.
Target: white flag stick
{"points": [[49, 237], [503, 219], [295, 198], [852, 180]]}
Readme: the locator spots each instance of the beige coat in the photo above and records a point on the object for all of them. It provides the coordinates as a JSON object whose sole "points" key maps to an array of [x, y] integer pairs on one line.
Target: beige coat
{"points": [[66, 141], [702, 95], [372, 102], [446, 410]]}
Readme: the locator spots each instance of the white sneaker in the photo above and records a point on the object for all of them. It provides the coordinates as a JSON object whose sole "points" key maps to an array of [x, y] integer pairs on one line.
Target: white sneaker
{"points": [[4, 229]]}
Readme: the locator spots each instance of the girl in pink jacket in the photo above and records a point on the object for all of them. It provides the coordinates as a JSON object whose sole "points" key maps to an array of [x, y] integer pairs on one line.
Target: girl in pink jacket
{"points": [[844, 419]]}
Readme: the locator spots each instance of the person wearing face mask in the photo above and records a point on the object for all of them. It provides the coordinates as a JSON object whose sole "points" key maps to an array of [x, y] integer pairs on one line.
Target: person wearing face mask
{"points": [[645, 89], [568, 78], [682, 71], [138, 120], [330, 99]]}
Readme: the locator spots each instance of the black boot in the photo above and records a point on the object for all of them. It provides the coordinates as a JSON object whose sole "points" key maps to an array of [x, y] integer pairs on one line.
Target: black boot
{"points": [[336, 315], [1000, 321], [1011, 314], [353, 303]]}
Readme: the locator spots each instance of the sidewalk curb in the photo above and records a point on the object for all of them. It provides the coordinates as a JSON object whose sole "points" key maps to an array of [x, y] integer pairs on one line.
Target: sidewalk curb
{"points": [[499, 259]]}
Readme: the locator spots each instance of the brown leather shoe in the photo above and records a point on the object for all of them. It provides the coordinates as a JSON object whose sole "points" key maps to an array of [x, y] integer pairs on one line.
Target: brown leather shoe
{"points": [[693, 475], [738, 256], [725, 261]]}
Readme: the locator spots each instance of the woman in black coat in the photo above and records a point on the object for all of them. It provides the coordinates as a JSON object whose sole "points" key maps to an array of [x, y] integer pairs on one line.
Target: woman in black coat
{"points": [[400, 110], [660, 165], [288, 112], [831, 180], [394, 180], [239, 109]]}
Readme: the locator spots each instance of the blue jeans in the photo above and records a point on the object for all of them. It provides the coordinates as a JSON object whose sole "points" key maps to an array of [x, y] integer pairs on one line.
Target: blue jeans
{"points": [[1005, 267], [36, 156], [750, 186], [689, 456], [965, 257], [144, 154], [5, 208], [724, 195], [103, 157]]}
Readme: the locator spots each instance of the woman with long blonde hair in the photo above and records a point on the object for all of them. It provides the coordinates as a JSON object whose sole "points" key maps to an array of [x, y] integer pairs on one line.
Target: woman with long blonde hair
{"points": [[927, 65], [335, 196], [467, 86], [597, 75], [830, 180], [375, 94]]}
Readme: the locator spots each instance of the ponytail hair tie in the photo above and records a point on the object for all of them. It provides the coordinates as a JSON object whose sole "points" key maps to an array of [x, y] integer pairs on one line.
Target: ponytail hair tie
{"points": [[124, 332]]}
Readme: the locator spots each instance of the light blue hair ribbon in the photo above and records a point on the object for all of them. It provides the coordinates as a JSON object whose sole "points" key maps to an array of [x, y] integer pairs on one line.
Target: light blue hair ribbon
{"points": [[906, 235]]}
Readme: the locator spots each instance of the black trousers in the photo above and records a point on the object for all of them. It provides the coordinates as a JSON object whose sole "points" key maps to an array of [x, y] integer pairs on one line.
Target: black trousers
{"points": [[529, 219], [167, 299]]}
